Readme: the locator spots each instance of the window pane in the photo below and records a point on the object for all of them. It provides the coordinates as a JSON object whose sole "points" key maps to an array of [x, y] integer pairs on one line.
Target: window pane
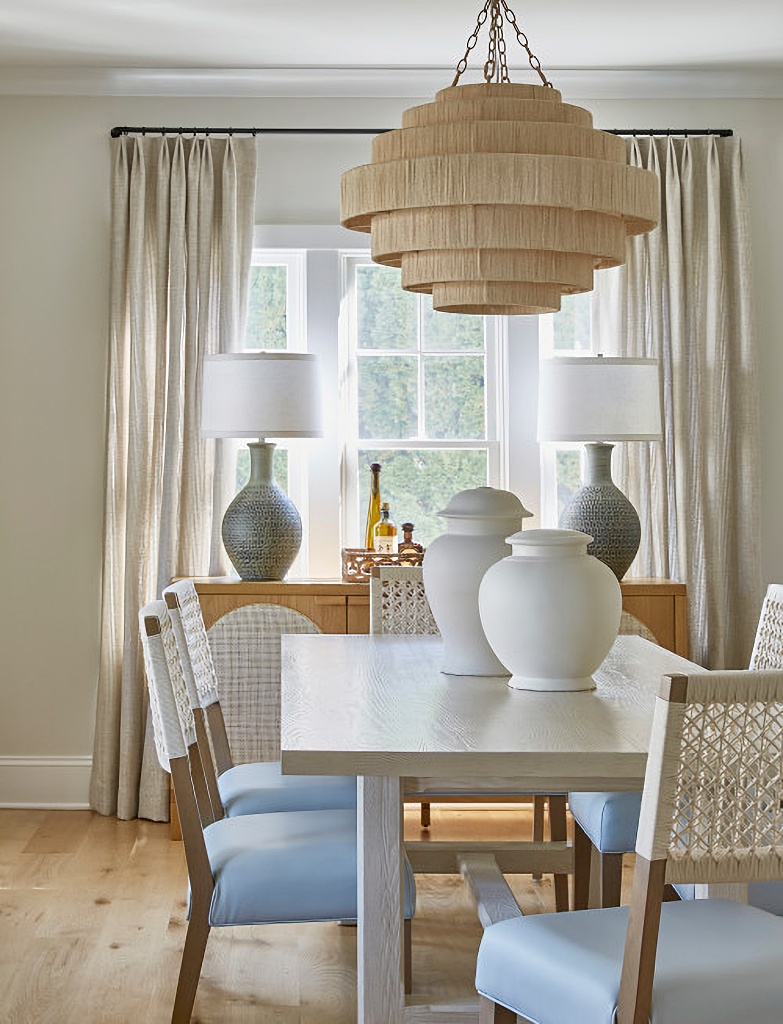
{"points": [[387, 316], [454, 397], [450, 330], [418, 484], [266, 318], [388, 404], [572, 323], [279, 467], [568, 471]]}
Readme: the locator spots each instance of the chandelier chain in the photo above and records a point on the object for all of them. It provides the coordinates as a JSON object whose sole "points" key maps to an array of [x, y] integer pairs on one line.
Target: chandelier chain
{"points": [[496, 66], [473, 39]]}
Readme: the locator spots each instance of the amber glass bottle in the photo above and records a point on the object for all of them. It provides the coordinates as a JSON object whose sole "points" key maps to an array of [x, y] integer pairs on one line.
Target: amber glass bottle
{"points": [[408, 543], [374, 505], [385, 539]]}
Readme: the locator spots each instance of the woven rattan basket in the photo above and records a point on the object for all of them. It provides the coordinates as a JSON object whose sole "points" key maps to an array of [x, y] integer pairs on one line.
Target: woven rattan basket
{"points": [[358, 563]]}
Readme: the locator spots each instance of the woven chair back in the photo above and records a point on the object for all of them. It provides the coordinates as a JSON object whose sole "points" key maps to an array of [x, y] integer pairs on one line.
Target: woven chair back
{"points": [[398, 602], [245, 650], [713, 796]]}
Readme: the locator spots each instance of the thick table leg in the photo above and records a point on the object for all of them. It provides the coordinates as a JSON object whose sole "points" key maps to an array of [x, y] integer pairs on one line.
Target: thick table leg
{"points": [[381, 996]]}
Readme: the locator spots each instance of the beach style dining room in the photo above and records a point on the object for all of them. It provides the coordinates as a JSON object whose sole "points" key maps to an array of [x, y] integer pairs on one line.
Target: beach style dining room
{"points": [[367, 335]]}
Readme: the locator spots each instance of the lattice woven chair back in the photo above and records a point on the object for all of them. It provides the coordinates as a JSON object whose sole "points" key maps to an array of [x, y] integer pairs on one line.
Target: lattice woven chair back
{"points": [[398, 603], [631, 626], [172, 718], [245, 648], [768, 645], [191, 635], [714, 786]]}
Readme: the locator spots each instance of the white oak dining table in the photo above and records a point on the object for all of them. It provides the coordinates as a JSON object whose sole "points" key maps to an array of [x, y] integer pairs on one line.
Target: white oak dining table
{"points": [[378, 707]]}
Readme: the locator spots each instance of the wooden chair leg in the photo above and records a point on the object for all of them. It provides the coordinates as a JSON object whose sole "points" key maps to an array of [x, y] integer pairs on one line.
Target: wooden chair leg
{"points": [[492, 1013], [538, 827], [425, 815], [611, 876], [583, 855], [558, 834], [407, 957], [190, 968]]}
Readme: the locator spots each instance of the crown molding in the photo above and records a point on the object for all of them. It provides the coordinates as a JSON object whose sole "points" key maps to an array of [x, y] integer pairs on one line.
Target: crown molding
{"points": [[377, 82]]}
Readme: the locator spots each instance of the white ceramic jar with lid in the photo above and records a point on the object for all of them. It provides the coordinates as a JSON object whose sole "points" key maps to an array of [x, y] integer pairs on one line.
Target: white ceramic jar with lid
{"points": [[477, 524]]}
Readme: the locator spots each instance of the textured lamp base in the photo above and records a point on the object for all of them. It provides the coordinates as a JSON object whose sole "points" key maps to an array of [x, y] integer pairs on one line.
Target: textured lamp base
{"points": [[262, 530], [602, 510]]}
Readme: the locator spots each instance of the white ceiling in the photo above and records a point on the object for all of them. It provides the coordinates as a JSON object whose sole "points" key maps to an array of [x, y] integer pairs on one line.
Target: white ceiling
{"points": [[349, 36]]}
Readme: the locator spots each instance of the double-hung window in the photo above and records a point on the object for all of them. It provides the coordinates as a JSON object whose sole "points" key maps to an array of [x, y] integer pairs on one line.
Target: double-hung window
{"points": [[420, 395]]}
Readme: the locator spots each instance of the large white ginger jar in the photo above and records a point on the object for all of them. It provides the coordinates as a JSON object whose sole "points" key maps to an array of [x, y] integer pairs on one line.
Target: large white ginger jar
{"points": [[477, 524], [550, 611]]}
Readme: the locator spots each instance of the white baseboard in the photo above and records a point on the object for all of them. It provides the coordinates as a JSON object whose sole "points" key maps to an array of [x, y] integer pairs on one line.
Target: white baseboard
{"points": [[61, 783]]}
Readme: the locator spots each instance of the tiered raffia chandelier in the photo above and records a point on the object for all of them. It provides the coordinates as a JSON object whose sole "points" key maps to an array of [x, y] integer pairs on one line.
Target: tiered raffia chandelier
{"points": [[498, 197]]}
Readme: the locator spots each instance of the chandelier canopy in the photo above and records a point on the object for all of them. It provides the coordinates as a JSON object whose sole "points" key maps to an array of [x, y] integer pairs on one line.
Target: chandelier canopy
{"points": [[498, 197]]}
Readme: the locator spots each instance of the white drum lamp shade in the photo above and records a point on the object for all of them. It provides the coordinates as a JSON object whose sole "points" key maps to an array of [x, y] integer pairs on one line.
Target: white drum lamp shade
{"points": [[261, 395], [600, 398], [596, 400]]}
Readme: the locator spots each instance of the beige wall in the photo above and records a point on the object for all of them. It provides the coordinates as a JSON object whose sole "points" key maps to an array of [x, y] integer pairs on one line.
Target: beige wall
{"points": [[54, 228]]}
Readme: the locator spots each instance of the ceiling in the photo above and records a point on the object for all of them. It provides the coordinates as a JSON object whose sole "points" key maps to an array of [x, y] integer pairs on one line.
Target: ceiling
{"points": [[363, 37]]}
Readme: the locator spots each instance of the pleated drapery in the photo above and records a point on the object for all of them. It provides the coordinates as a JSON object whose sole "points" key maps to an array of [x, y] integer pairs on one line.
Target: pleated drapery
{"points": [[684, 297], [182, 235]]}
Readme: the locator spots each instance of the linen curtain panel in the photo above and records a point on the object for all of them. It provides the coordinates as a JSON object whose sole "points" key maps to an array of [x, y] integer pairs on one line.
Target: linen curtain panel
{"points": [[684, 297], [181, 244]]}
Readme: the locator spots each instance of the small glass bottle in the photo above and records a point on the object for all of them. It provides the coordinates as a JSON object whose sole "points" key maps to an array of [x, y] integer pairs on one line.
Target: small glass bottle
{"points": [[374, 506], [408, 543], [385, 539]]}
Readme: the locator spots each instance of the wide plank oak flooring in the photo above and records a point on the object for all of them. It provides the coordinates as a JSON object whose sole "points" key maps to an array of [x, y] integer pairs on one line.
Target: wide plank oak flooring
{"points": [[92, 922]]}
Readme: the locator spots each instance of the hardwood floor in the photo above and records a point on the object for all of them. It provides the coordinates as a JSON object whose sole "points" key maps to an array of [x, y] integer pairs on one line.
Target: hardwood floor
{"points": [[92, 925]]}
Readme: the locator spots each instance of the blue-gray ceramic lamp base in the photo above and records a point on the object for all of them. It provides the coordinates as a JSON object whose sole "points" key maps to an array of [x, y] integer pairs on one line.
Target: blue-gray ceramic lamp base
{"points": [[603, 511], [262, 530]]}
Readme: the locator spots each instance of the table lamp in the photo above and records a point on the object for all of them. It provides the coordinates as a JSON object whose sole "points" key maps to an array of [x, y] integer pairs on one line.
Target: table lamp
{"points": [[595, 400], [260, 395]]}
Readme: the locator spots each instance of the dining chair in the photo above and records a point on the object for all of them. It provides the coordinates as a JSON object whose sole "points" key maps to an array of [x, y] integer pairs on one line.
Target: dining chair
{"points": [[711, 813], [605, 824], [247, 642], [288, 866], [399, 606]]}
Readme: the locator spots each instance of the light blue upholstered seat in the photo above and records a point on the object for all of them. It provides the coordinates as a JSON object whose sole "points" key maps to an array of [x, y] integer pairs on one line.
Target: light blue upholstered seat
{"points": [[294, 866], [260, 787], [764, 895], [610, 820], [718, 963]]}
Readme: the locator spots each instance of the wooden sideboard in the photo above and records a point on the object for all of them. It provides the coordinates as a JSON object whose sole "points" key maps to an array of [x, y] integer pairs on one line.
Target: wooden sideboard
{"points": [[337, 607], [334, 606]]}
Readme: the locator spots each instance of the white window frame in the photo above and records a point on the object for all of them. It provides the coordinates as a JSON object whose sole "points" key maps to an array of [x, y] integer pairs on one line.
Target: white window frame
{"points": [[495, 391]]}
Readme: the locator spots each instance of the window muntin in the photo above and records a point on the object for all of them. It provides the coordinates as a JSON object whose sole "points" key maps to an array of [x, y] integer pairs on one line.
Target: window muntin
{"points": [[423, 400]]}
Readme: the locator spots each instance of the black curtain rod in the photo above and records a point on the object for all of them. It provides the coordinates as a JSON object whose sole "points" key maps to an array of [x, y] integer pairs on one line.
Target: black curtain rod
{"points": [[124, 130], [724, 133]]}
